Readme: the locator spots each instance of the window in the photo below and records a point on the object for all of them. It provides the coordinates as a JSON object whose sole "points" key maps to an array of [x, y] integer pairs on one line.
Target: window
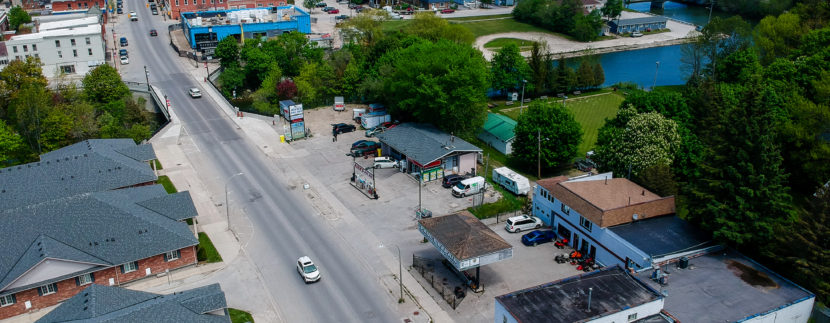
{"points": [[173, 255], [632, 317], [68, 69], [90, 51], [566, 209], [57, 43], [7, 300], [129, 267], [75, 52], [34, 47], [47, 289], [25, 48], [84, 279], [585, 223], [17, 57], [88, 41], [177, 3], [69, 6], [72, 41], [259, 5], [203, 1], [185, 2], [220, 1], [14, 49], [36, 55], [60, 55]]}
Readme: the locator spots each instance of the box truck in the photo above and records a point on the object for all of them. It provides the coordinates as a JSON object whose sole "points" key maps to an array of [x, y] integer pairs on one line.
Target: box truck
{"points": [[511, 181], [468, 186]]}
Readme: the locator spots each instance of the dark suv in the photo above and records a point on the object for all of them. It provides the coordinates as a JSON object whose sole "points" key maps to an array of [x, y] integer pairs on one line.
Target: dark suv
{"points": [[342, 127], [365, 149], [451, 180], [585, 164]]}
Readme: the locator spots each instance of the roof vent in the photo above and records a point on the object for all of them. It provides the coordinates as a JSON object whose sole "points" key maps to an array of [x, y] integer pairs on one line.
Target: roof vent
{"points": [[41, 255], [67, 158], [96, 243], [84, 308], [139, 231], [85, 155]]}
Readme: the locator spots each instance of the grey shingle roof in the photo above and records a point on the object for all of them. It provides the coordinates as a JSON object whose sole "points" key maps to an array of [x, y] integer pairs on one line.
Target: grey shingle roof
{"points": [[99, 303], [107, 228], [177, 206], [88, 166], [424, 143]]}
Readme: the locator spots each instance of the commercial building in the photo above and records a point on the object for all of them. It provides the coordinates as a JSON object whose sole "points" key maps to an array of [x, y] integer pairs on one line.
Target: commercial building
{"points": [[177, 7], [98, 303], [61, 6], [622, 26], [499, 132], [87, 214], [205, 29], [428, 151]]}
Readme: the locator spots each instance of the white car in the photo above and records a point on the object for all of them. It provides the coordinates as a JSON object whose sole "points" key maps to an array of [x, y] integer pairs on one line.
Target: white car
{"points": [[124, 60], [522, 222], [385, 162], [308, 270], [194, 92], [636, 34]]}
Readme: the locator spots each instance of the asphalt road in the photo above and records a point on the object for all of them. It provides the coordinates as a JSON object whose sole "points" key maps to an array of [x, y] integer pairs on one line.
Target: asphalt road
{"points": [[285, 229]]}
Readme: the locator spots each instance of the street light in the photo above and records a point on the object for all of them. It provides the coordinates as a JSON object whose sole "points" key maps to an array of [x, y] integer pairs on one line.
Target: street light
{"points": [[400, 273], [539, 153], [522, 107], [227, 208], [147, 76], [655, 75]]}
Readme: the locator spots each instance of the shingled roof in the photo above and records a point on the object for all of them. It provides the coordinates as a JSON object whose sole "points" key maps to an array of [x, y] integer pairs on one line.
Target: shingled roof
{"points": [[98, 303], [611, 201], [424, 143], [91, 231], [464, 235], [88, 166]]}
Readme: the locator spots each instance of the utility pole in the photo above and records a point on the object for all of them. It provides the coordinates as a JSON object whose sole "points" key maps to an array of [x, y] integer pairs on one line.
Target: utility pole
{"points": [[539, 153], [522, 106], [711, 6]]}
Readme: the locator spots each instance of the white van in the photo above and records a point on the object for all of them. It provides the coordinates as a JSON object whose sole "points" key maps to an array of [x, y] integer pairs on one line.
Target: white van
{"points": [[511, 180], [468, 186]]}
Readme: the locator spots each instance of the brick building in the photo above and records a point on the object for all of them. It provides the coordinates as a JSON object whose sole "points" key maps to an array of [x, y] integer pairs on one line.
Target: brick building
{"points": [[179, 6], [87, 214], [76, 5]]}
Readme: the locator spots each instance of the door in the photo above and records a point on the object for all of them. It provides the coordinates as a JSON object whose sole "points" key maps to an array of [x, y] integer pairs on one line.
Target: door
{"points": [[593, 252], [576, 242], [563, 232]]}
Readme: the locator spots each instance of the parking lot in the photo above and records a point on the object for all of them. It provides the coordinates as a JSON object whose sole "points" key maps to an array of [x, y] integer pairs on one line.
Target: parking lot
{"points": [[392, 217]]}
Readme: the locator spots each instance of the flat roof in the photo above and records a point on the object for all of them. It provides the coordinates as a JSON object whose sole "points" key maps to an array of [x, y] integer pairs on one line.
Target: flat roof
{"points": [[663, 235], [566, 300], [464, 235], [245, 15], [76, 31], [724, 286], [59, 24]]}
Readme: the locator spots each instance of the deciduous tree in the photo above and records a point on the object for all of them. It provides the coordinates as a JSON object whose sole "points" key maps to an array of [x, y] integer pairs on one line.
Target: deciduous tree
{"points": [[227, 51], [103, 85], [644, 140], [18, 16], [509, 69], [551, 127]]}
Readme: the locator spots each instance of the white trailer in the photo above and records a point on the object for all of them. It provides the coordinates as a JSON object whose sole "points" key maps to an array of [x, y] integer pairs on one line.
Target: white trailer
{"points": [[369, 121], [511, 181], [339, 104]]}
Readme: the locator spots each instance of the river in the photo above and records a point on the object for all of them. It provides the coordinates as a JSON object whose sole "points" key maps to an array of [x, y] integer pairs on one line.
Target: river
{"points": [[640, 66]]}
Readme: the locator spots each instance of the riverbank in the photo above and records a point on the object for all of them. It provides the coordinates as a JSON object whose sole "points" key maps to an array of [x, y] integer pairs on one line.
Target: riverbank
{"points": [[679, 33]]}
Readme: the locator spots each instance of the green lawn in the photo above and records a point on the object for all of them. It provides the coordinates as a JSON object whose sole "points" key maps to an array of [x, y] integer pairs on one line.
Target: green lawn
{"points": [[501, 42], [507, 15], [207, 252], [168, 185], [158, 164], [479, 27], [590, 112], [240, 316]]}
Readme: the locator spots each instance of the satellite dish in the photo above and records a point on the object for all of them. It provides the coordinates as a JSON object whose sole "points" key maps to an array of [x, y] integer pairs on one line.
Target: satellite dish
{"points": [[635, 216]]}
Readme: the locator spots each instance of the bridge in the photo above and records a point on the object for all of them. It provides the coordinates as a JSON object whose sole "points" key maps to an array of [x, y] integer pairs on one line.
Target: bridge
{"points": [[658, 4]]}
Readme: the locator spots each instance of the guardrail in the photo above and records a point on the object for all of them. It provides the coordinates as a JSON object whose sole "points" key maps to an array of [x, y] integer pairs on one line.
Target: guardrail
{"points": [[157, 97]]}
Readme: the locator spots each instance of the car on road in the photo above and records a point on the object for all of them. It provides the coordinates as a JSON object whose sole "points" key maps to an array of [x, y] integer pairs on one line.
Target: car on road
{"points": [[339, 128], [123, 41], [365, 149], [124, 60], [153, 32], [194, 92], [385, 162], [521, 223], [448, 10], [451, 180], [537, 237], [308, 270], [636, 34], [322, 5], [123, 52], [133, 16], [334, 11]]}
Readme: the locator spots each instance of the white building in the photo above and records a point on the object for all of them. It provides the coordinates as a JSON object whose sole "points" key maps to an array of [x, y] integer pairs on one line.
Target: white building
{"points": [[69, 47]]}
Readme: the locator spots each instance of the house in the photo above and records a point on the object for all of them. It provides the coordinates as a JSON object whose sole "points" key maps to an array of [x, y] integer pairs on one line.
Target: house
{"points": [[98, 303], [607, 295], [436, 4], [205, 29], [615, 221], [87, 214], [428, 151], [72, 47], [498, 132], [622, 26]]}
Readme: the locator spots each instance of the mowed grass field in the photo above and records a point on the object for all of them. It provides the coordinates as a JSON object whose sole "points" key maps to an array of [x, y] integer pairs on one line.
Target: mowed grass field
{"points": [[480, 26], [590, 112]]}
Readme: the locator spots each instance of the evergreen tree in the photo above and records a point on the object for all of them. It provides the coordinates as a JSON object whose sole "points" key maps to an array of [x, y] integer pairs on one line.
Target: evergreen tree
{"points": [[599, 75], [585, 75]]}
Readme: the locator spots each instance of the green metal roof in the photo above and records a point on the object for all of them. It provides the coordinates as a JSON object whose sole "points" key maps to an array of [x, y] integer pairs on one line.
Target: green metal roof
{"points": [[500, 126]]}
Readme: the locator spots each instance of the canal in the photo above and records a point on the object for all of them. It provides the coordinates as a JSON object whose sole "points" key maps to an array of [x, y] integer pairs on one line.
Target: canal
{"points": [[640, 66]]}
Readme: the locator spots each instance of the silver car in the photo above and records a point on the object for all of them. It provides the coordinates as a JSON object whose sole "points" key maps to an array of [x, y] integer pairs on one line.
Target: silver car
{"points": [[194, 93]]}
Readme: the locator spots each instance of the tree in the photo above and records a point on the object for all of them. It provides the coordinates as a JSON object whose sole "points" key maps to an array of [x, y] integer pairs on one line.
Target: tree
{"points": [[12, 146], [310, 4], [231, 80], [778, 36], [429, 26], [315, 84], [257, 64], [658, 179], [227, 51], [550, 126], [538, 65], [17, 17], [31, 105], [509, 69], [586, 27], [286, 90], [442, 83], [612, 9], [644, 140], [585, 75], [14, 77], [103, 85], [56, 130], [365, 28], [599, 75]]}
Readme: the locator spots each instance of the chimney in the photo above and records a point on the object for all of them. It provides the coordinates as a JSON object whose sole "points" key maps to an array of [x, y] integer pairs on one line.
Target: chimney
{"points": [[644, 192]]}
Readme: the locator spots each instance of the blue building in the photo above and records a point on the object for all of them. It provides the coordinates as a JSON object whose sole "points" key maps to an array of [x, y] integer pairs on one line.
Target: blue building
{"points": [[623, 26], [204, 29], [616, 221]]}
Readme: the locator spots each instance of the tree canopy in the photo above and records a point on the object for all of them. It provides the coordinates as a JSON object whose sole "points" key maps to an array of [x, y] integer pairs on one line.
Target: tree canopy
{"points": [[549, 126], [509, 69]]}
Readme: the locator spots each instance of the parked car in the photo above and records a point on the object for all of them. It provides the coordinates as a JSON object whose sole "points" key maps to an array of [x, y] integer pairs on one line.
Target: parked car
{"points": [[359, 142], [385, 162], [342, 128], [194, 93], [154, 11], [354, 6], [153, 32], [123, 41], [308, 270], [468, 186], [365, 149], [522, 222], [123, 52], [376, 130], [448, 10], [451, 180], [327, 9], [119, 11], [342, 17], [322, 5], [334, 11], [537, 237], [124, 60], [585, 165], [636, 34]]}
